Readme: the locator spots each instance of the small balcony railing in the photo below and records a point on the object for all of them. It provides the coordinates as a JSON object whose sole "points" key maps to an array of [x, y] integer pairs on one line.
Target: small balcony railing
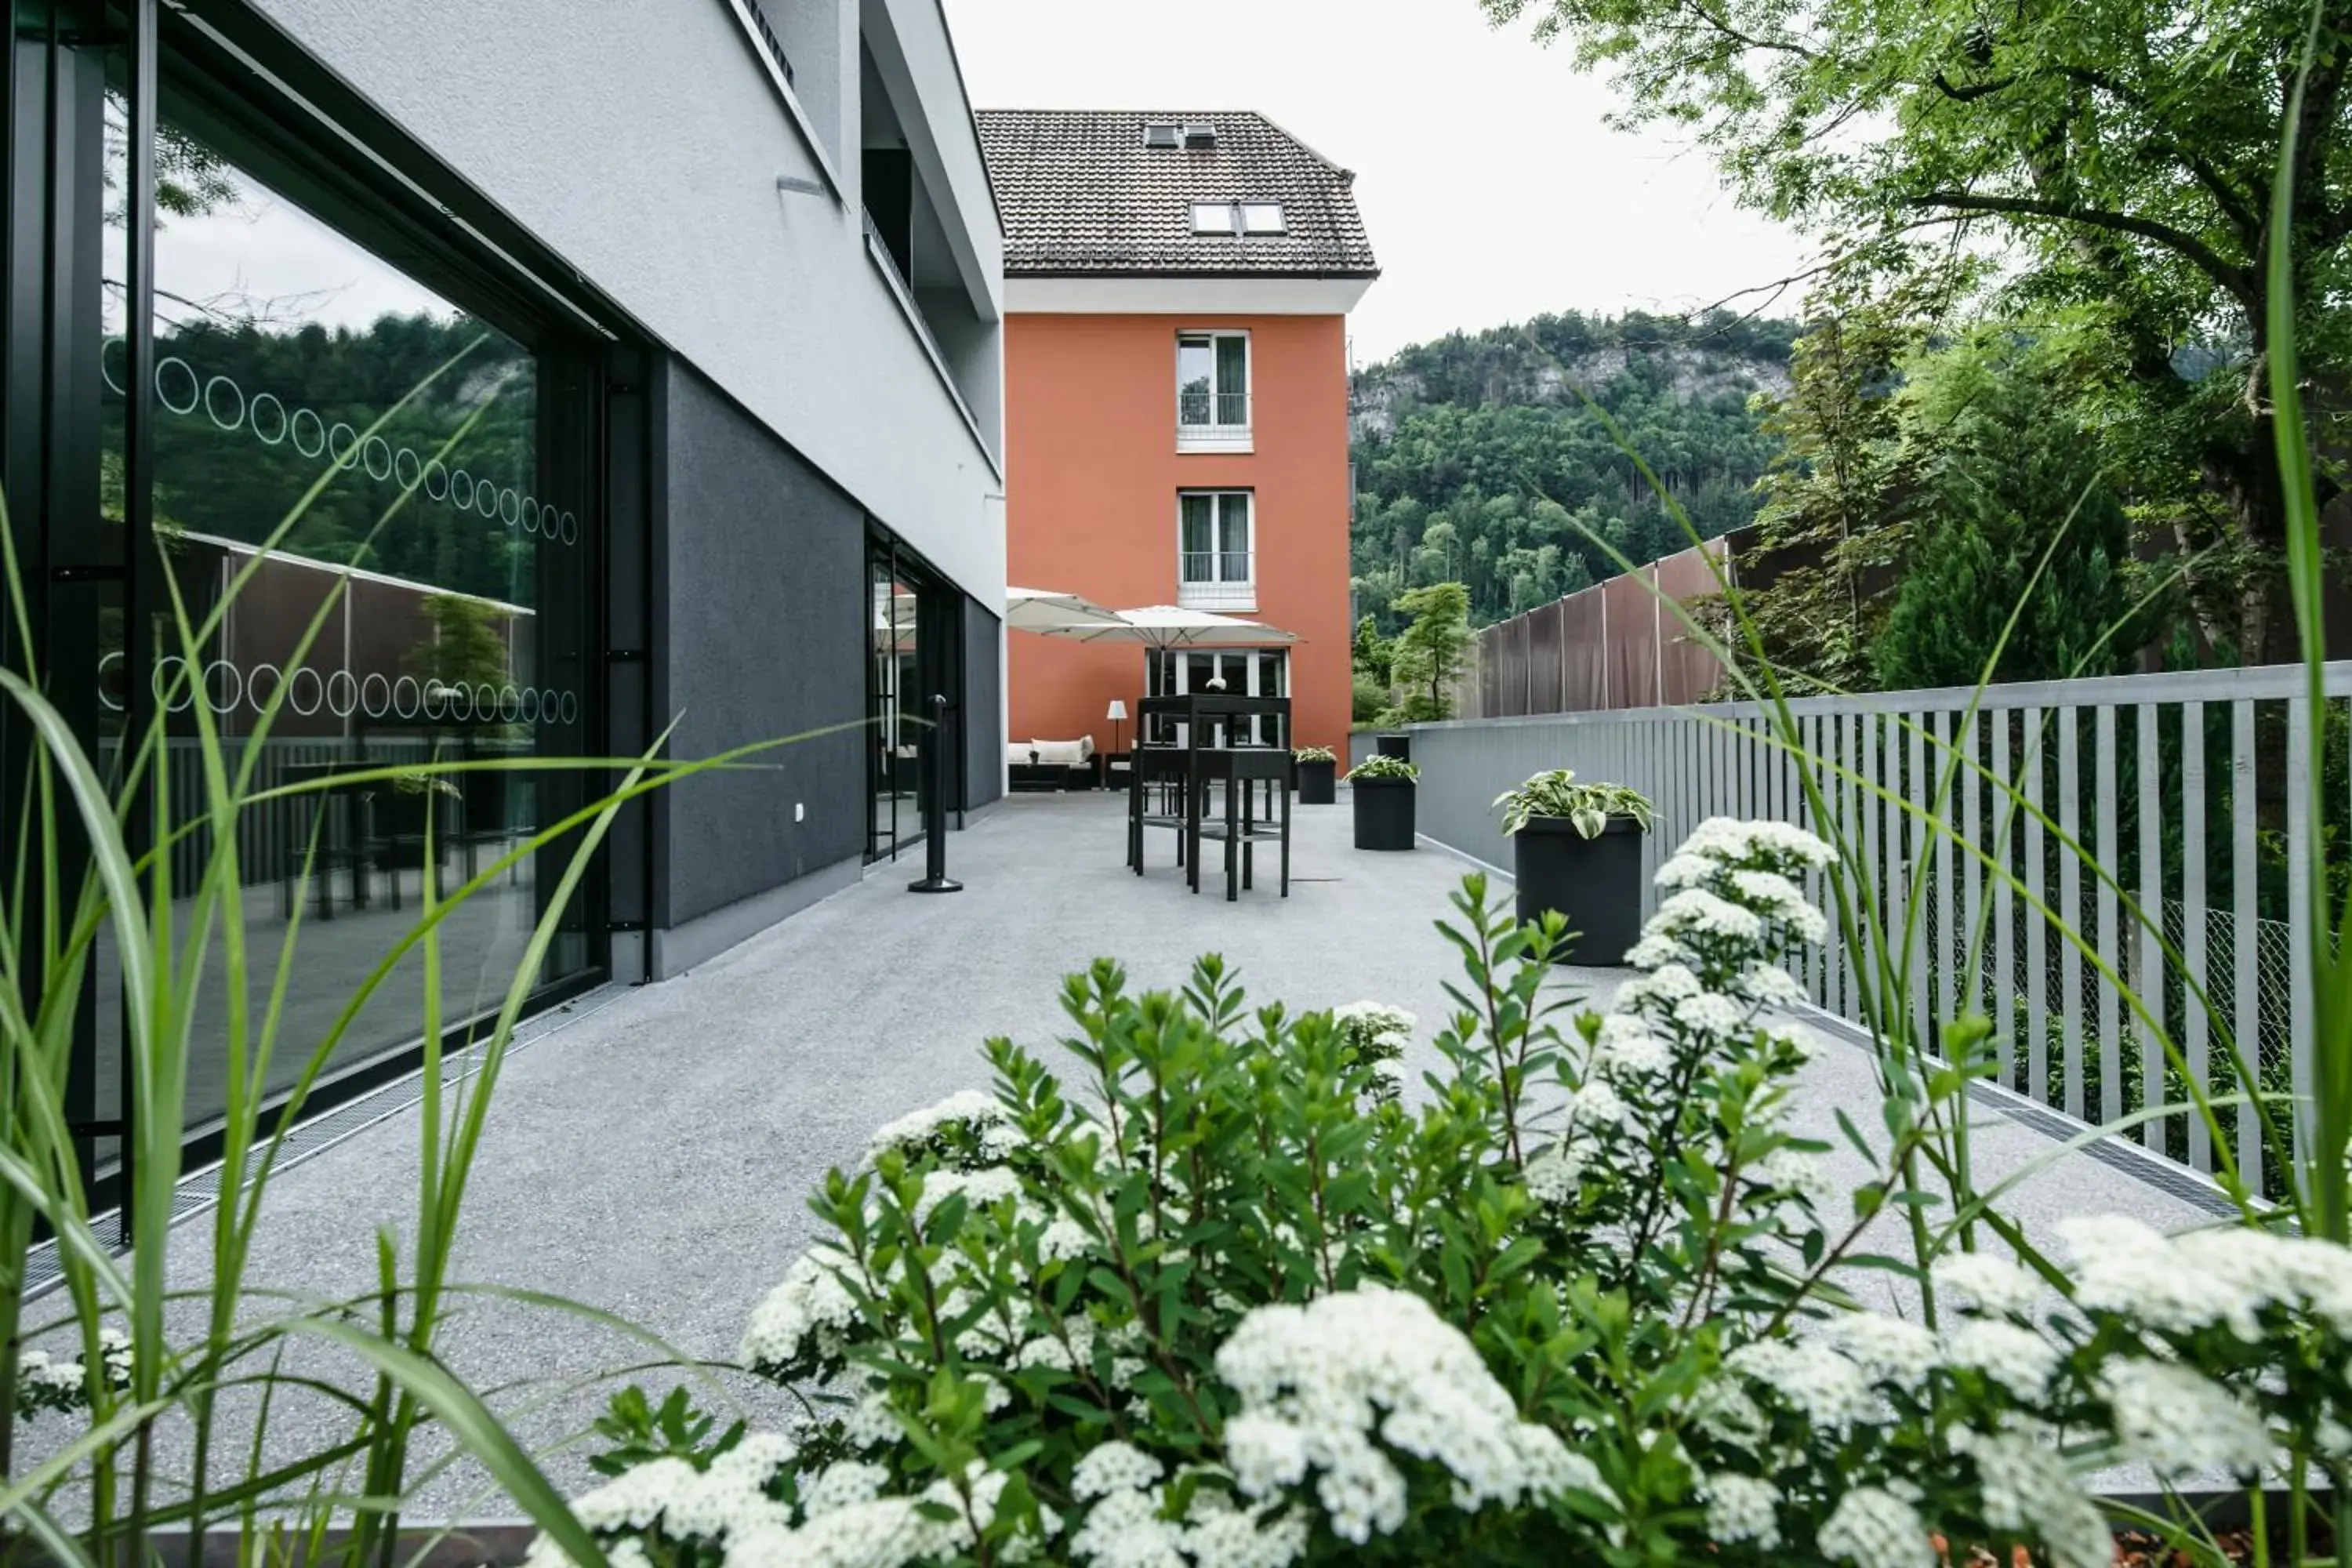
{"points": [[1226, 580], [1211, 421]]}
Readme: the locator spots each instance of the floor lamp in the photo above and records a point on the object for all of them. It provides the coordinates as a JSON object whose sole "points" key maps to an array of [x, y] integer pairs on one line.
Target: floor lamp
{"points": [[1117, 716]]}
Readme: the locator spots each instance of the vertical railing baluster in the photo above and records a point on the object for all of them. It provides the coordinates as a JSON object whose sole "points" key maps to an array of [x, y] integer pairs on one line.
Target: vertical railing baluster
{"points": [[2245, 980], [2150, 985], [2002, 829], [2070, 932], [2299, 854], [2037, 924], [2196, 926], [1868, 899], [1971, 948], [1918, 797], [2111, 861], [1949, 958]]}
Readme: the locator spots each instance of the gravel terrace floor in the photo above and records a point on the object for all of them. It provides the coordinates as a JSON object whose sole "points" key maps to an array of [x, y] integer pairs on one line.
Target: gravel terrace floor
{"points": [[651, 1155]]}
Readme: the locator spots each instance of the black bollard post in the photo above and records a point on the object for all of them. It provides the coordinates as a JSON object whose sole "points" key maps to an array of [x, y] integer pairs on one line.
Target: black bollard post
{"points": [[935, 842]]}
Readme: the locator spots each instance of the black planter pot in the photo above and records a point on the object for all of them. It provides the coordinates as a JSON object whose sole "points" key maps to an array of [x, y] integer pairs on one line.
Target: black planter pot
{"points": [[1383, 814], [1315, 783], [1397, 746], [1594, 883]]}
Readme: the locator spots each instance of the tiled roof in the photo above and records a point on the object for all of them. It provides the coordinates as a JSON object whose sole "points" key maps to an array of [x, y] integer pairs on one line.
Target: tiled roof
{"points": [[1081, 193]]}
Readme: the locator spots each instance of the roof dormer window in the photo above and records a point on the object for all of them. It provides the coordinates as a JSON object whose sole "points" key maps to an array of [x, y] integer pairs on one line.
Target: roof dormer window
{"points": [[1238, 217], [1161, 133]]}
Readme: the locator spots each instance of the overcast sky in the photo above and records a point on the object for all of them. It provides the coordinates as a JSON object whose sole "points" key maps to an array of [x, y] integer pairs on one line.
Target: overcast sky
{"points": [[1491, 187]]}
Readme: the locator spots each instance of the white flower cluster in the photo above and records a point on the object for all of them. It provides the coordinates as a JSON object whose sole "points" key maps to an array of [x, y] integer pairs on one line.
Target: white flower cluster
{"points": [[841, 1518], [1741, 1508], [805, 1316], [2204, 1278], [1128, 1526], [1319, 1382], [1873, 1528], [968, 1111], [44, 1382], [2177, 1421], [2023, 1487], [1378, 1034]]}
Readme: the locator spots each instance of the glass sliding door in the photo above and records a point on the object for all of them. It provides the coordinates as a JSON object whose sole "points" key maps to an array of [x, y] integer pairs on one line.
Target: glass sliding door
{"points": [[915, 654], [371, 490]]}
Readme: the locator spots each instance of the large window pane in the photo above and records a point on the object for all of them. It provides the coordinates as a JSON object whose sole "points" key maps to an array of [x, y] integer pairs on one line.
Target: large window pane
{"points": [[1195, 365], [1234, 510], [1233, 380], [426, 604]]}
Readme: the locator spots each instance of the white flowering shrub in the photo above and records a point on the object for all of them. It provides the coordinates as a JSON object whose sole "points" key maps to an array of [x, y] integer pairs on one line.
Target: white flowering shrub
{"points": [[1222, 1297], [48, 1383]]}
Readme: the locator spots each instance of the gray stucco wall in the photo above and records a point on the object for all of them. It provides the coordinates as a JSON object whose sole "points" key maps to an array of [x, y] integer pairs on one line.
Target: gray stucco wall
{"points": [[645, 149], [766, 566], [984, 705]]}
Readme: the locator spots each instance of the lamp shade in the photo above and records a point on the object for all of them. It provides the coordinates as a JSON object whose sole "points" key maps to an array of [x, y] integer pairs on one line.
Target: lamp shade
{"points": [[1118, 710]]}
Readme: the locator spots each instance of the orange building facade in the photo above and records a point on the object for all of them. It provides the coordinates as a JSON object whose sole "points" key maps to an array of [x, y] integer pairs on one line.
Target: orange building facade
{"points": [[1176, 406]]}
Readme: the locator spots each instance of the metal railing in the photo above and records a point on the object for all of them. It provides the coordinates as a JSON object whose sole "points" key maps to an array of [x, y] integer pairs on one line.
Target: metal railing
{"points": [[2192, 791], [1217, 580], [1199, 405]]}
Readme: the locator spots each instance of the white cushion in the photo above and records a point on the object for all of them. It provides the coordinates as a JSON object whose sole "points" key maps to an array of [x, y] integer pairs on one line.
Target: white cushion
{"points": [[1019, 755], [1064, 753]]}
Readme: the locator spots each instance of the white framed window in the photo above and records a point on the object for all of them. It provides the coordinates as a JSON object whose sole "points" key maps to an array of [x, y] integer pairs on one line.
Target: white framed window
{"points": [[1238, 217], [1216, 560], [1213, 392]]}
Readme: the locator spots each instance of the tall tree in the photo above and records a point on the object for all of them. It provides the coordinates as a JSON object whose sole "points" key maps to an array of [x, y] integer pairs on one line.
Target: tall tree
{"points": [[2120, 152], [1430, 651]]}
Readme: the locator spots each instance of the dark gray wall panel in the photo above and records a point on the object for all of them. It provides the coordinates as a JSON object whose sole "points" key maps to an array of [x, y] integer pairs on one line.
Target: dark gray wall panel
{"points": [[765, 639], [984, 706]]}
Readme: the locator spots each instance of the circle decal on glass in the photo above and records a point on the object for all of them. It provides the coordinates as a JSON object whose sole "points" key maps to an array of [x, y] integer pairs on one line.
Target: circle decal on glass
{"points": [[530, 514], [294, 691], [195, 388], [105, 373], [112, 704], [406, 482], [486, 702], [214, 413], [172, 692], [486, 497], [342, 699], [367, 455], [461, 491], [375, 696], [406, 709], [254, 413], [224, 705], [570, 529], [570, 708], [436, 701], [254, 697], [510, 508], [431, 465], [531, 704], [348, 458], [460, 700], [317, 446], [509, 704]]}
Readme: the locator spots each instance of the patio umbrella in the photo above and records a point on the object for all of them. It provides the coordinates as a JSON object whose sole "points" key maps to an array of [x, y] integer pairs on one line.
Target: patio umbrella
{"points": [[1048, 610], [1168, 626]]}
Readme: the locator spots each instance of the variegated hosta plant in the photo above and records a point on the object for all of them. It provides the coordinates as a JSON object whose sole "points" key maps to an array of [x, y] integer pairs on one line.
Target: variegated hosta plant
{"points": [[1589, 806], [1225, 1296]]}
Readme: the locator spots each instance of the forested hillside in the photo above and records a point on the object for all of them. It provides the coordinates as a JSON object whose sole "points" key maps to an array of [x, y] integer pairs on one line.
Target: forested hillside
{"points": [[1477, 461]]}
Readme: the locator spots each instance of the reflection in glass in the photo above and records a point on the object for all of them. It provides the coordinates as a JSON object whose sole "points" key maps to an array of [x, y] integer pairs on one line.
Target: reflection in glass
{"points": [[426, 603]]}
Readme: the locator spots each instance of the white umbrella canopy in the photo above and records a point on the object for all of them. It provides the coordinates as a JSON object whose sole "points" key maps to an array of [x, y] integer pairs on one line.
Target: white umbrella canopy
{"points": [[1048, 610], [1169, 626]]}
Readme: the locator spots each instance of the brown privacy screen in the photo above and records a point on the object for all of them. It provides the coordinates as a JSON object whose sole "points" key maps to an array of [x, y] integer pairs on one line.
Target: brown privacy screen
{"points": [[1614, 645]]}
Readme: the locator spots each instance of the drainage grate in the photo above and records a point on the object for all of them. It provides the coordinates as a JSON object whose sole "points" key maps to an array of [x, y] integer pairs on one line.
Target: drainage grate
{"points": [[2166, 1176], [200, 1190]]}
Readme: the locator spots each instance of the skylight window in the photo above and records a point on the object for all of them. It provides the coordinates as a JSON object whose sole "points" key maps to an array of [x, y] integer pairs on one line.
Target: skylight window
{"points": [[1160, 133], [1238, 217]]}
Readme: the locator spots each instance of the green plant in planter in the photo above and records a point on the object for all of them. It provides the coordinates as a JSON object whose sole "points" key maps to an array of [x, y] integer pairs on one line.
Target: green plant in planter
{"points": [[1588, 805], [1314, 754], [1383, 770]]}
